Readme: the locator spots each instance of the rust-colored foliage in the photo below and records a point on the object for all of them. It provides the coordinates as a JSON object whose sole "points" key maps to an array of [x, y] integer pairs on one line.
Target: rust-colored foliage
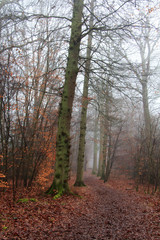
{"points": [[3, 183], [46, 171], [101, 211]]}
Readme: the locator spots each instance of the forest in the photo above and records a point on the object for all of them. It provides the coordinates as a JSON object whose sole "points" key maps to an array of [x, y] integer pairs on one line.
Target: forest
{"points": [[79, 119]]}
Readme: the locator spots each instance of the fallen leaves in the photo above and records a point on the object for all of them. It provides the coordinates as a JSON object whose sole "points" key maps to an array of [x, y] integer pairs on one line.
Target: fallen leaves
{"points": [[104, 211]]}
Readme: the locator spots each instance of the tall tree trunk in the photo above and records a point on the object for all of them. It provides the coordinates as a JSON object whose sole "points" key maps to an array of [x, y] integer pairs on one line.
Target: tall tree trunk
{"points": [[111, 152], [60, 182], [104, 154], [147, 120], [106, 132], [94, 170], [101, 149], [2, 91], [109, 160], [80, 165]]}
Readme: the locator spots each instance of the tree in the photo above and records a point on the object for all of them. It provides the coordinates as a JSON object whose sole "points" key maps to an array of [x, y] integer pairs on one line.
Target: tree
{"points": [[94, 170], [80, 166], [145, 39], [30, 87], [60, 182]]}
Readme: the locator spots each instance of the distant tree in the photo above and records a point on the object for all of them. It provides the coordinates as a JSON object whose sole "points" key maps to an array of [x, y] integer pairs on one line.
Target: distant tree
{"points": [[145, 40], [95, 148]]}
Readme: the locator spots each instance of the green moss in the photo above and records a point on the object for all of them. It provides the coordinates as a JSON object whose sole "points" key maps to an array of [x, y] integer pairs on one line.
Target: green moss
{"points": [[80, 196], [23, 200], [26, 200], [33, 199], [58, 195], [4, 228]]}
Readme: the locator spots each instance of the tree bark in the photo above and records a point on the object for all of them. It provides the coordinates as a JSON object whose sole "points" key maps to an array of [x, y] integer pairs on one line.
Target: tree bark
{"points": [[94, 170], [80, 165], [101, 149], [147, 120], [106, 133], [60, 182]]}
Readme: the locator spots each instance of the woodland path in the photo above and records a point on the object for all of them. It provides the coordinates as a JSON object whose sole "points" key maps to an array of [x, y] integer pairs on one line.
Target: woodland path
{"points": [[113, 214], [103, 212]]}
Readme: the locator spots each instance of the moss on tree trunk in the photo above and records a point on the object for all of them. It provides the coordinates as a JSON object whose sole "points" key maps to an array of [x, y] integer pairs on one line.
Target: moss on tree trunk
{"points": [[60, 182]]}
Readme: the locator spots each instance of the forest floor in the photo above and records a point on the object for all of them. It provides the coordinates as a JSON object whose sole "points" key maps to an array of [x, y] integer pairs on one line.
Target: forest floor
{"points": [[112, 210]]}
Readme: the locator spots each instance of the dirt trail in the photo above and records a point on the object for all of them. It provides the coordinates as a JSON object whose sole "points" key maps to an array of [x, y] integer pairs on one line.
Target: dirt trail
{"points": [[113, 215], [102, 213]]}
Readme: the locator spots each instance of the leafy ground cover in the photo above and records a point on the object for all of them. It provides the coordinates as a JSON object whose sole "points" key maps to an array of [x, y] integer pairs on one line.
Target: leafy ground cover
{"points": [[101, 211]]}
